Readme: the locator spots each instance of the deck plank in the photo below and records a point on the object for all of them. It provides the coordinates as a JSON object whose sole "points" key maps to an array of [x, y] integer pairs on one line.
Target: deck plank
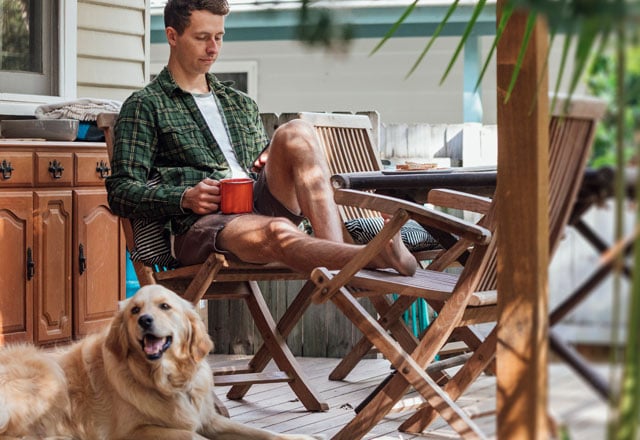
{"points": [[274, 406]]}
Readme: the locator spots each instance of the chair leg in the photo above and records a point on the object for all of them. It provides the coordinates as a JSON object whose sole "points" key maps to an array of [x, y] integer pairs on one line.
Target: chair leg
{"points": [[389, 316], [411, 374], [277, 346], [201, 282], [473, 341], [398, 329], [457, 385], [219, 405], [572, 358], [288, 321]]}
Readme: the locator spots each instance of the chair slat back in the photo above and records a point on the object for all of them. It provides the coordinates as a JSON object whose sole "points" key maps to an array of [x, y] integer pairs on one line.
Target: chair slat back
{"points": [[348, 145], [571, 133]]}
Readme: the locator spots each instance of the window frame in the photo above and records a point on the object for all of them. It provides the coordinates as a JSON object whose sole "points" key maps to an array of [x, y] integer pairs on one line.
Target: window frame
{"points": [[248, 67], [24, 104]]}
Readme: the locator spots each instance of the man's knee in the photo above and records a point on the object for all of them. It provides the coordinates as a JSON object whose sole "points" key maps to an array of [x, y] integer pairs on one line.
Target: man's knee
{"points": [[297, 136], [296, 127], [280, 229]]}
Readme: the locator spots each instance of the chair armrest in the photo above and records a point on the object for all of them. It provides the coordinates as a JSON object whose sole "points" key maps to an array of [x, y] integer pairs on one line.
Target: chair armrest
{"points": [[452, 199], [389, 205]]}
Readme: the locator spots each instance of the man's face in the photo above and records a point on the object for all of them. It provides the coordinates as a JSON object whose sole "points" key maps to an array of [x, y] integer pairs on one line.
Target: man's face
{"points": [[199, 45]]}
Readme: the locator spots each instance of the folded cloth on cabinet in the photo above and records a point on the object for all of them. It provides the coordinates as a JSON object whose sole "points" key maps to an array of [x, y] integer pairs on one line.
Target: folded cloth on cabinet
{"points": [[83, 109]]}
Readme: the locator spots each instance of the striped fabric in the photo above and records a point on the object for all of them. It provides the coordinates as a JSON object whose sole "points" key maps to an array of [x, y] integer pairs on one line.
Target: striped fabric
{"points": [[151, 240], [152, 243], [414, 236]]}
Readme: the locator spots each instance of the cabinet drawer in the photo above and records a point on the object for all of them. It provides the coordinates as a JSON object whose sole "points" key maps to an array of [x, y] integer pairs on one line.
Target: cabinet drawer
{"points": [[16, 169], [92, 168], [54, 169]]}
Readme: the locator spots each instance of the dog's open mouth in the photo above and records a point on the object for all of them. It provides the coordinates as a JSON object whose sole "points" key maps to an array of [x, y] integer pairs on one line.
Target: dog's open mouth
{"points": [[154, 347]]}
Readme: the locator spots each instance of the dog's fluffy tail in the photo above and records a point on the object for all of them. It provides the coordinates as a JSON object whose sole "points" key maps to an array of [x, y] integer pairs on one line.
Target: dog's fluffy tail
{"points": [[32, 387]]}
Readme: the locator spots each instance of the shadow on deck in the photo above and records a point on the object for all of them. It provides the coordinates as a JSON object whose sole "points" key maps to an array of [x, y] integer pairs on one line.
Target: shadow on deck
{"points": [[572, 403]]}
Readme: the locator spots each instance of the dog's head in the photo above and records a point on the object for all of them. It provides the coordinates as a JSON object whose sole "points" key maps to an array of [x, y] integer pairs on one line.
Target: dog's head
{"points": [[156, 323]]}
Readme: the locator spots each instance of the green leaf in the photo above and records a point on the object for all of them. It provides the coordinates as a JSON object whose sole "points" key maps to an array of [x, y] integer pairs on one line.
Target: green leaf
{"points": [[545, 74], [395, 26], [563, 63], [507, 11], [472, 21], [531, 23], [444, 21], [588, 33]]}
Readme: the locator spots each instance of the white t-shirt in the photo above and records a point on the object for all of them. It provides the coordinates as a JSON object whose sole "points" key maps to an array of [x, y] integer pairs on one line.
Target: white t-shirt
{"points": [[210, 109]]}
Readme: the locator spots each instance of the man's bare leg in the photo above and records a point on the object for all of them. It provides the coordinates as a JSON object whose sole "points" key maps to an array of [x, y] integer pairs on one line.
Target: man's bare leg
{"points": [[298, 176], [260, 239]]}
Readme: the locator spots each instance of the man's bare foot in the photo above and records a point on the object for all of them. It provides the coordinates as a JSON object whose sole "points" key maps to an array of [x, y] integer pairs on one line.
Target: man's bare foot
{"points": [[396, 256]]}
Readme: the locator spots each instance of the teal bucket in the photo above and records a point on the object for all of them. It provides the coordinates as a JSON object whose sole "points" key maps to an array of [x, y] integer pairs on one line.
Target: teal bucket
{"points": [[132, 284]]}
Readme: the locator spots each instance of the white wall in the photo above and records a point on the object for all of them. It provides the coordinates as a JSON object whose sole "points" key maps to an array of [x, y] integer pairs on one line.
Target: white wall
{"points": [[293, 77], [113, 47]]}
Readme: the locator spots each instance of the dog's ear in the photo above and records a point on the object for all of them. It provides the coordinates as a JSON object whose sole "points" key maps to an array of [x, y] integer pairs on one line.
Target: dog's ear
{"points": [[122, 304], [200, 344], [117, 341]]}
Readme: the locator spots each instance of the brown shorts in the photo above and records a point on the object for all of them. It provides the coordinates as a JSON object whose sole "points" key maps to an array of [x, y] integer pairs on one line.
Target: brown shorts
{"points": [[195, 245]]}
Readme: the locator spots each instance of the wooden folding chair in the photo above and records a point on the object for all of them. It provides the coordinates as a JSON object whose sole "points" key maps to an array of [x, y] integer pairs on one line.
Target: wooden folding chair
{"points": [[461, 300], [577, 126], [571, 134], [221, 279], [349, 147]]}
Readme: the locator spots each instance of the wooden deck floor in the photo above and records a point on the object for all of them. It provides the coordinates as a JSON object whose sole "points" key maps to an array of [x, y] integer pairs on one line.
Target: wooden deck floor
{"points": [[274, 407]]}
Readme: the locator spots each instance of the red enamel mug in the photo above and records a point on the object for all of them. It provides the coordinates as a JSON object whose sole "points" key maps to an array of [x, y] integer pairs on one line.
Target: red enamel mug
{"points": [[236, 195]]}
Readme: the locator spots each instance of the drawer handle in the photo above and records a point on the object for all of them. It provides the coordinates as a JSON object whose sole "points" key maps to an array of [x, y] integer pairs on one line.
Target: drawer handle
{"points": [[31, 265], [6, 169], [82, 260], [103, 169], [56, 169]]}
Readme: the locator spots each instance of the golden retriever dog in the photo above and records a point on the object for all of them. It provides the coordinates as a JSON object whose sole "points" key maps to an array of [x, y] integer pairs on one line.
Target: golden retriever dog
{"points": [[145, 377]]}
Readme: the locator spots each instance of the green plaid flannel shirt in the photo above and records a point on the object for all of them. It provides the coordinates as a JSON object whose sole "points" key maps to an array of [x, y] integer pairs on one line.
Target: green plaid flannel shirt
{"points": [[161, 134]]}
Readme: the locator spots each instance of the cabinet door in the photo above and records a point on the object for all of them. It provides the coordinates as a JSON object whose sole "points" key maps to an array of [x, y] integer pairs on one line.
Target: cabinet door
{"points": [[99, 263], [52, 234], [16, 294]]}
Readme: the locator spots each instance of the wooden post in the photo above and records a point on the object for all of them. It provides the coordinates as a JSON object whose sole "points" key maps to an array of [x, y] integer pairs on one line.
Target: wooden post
{"points": [[523, 234]]}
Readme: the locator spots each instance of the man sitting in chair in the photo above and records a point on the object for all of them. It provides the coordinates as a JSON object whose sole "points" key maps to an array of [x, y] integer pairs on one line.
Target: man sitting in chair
{"points": [[186, 131]]}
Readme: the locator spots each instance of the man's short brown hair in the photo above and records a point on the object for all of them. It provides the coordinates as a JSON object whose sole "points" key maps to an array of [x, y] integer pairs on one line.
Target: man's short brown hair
{"points": [[177, 13]]}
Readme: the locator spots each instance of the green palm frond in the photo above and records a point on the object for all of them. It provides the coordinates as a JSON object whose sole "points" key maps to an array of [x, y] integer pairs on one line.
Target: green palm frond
{"points": [[588, 34], [435, 35], [507, 11], [530, 25], [472, 21], [391, 32]]}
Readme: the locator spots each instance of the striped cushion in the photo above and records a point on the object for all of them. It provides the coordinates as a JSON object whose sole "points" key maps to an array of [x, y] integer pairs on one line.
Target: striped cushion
{"points": [[152, 243], [414, 236], [151, 240]]}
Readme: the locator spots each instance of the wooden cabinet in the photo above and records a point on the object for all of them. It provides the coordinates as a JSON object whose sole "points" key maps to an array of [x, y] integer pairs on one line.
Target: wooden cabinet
{"points": [[52, 258], [64, 265], [16, 276]]}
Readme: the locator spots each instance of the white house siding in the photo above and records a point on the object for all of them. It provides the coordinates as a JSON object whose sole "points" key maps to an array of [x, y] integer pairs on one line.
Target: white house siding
{"points": [[293, 77], [113, 47]]}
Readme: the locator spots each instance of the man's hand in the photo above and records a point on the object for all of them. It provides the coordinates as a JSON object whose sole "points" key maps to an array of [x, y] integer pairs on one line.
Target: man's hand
{"points": [[204, 198], [258, 164]]}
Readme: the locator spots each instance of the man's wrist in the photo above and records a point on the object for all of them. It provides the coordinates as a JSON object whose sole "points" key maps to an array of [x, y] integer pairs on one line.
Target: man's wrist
{"points": [[182, 208]]}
